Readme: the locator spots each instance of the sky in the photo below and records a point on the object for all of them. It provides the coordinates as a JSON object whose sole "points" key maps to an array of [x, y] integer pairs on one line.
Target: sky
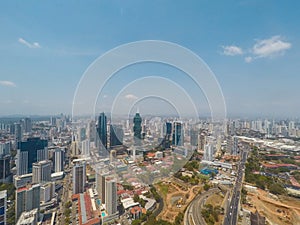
{"points": [[251, 47]]}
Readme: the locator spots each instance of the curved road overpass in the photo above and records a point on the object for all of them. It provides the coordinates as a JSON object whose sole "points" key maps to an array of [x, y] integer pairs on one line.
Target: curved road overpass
{"points": [[192, 215]]}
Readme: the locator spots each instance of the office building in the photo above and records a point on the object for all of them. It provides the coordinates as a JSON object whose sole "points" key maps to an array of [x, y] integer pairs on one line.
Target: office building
{"points": [[5, 161], [5, 168], [18, 133], [41, 171], [58, 160], [27, 125], [30, 151], [27, 198], [177, 134], [110, 195], [116, 135], [79, 176], [102, 130], [137, 128], [3, 207]]}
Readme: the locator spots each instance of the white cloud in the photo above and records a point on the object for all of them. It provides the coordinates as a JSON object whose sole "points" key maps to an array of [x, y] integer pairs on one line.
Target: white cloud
{"points": [[248, 59], [131, 97], [28, 44], [7, 83], [270, 47], [232, 50]]}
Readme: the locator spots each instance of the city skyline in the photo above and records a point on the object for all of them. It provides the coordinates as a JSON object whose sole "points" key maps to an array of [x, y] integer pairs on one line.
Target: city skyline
{"points": [[254, 61]]}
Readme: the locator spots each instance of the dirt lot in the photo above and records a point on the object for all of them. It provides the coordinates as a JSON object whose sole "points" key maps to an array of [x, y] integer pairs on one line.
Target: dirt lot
{"points": [[177, 195], [282, 210]]}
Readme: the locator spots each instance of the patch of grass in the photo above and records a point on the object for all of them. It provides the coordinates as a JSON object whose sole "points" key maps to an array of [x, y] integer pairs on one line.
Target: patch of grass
{"points": [[163, 189]]}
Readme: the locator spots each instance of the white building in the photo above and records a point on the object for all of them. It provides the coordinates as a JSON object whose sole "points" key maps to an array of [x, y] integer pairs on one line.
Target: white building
{"points": [[208, 152], [29, 218], [85, 147], [41, 171], [59, 160]]}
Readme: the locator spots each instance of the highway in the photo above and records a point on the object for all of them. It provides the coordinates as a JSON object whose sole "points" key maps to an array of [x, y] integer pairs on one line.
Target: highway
{"points": [[192, 214], [233, 207]]}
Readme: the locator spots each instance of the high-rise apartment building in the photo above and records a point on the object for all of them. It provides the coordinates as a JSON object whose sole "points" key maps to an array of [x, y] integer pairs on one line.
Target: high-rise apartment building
{"points": [[111, 195], [58, 160], [27, 198], [18, 133], [79, 176], [100, 184], [208, 152], [41, 171]]}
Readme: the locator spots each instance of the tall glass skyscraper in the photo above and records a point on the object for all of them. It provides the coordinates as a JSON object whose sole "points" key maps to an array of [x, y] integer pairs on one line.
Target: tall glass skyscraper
{"points": [[102, 129], [116, 135], [31, 151], [177, 134], [137, 127]]}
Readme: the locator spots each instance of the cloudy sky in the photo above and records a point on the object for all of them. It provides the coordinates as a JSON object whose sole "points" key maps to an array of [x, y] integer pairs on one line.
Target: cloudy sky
{"points": [[252, 47]]}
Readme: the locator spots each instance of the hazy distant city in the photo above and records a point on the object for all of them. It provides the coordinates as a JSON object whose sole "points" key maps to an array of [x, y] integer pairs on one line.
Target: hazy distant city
{"points": [[149, 113]]}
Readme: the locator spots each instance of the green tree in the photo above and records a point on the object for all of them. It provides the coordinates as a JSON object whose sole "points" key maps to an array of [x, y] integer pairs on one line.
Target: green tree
{"points": [[206, 187]]}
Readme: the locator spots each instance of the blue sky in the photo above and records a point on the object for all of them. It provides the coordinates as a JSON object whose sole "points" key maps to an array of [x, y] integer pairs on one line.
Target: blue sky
{"points": [[251, 46]]}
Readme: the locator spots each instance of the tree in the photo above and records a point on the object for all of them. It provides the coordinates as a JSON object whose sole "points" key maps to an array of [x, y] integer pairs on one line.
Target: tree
{"points": [[136, 198], [276, 189], [206, 187], [136, 222]]}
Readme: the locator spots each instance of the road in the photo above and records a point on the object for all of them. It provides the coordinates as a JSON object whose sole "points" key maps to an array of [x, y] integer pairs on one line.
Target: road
{"points": [[193, 212], [233, 207]]}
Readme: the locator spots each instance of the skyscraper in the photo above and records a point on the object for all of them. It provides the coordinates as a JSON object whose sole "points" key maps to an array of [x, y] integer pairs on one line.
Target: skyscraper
{"points": [[111, 195], [177, 134], [41, 171], [100, 184], [116, 135], [85, 147], [4, 168], [18, 133], [193, 137], [102, 130], [79, 176], [27, 198], [5, 148], [3, 207], [30, 151], [27, 125], [208, 152], [137, 127], [235, 147], [58, 160]]}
